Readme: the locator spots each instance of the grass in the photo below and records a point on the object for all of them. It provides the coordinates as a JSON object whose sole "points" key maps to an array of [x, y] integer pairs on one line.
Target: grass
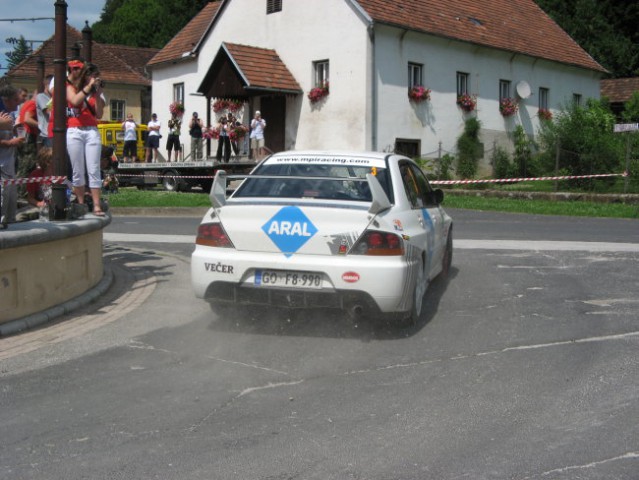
{"points": [[542, 207], [132, 197]]}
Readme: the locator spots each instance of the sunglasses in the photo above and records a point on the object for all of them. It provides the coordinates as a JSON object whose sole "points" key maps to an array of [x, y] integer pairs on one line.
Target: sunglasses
{"points": [[76, 68]]}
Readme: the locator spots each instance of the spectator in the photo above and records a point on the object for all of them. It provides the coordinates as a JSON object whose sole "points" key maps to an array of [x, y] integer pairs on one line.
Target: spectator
{"points": [[43, 106], [258, 124], [173, 140], [38, 192], [9, 101], [85, 105], [195, 130], [108, 165], [28, 118], [26, 154], [130, 151], [153, 139], [232, 121], [223, 142]]}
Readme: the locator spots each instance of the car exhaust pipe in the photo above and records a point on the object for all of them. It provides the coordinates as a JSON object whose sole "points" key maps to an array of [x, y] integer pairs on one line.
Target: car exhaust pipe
{"points": [[355, 311]]}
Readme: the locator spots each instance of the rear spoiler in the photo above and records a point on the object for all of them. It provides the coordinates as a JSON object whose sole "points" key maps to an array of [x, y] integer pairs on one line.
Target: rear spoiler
{"points": [[379, 203]]}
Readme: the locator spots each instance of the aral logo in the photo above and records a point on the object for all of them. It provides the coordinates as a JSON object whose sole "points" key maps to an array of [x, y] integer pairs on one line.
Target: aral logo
{"points": [[289, 229]]}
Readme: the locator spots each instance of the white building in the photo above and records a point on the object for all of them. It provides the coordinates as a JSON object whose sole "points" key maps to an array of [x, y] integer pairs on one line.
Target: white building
{"points": [[271, 53]]}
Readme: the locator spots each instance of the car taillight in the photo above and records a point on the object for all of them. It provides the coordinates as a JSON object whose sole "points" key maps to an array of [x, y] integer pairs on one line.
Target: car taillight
{"points": [[212, 235], [378, 243]]}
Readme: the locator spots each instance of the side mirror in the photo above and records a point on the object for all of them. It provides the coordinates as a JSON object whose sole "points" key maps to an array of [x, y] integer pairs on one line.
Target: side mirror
{"points": [[438, 196]]}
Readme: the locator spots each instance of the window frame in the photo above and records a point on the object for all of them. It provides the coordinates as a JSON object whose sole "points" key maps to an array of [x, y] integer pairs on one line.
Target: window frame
{"points": [[114, 107], [415, 75], [504, 89], [576, 99], [273, 6], [544, 95], [321, 72], [178, 92], [463, 80]]}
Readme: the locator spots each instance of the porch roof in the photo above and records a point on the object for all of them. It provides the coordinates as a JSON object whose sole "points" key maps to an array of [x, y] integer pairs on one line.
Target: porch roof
{"points": [[241, 71]]}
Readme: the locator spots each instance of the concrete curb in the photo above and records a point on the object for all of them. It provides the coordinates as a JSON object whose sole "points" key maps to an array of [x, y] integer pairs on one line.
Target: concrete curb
{"points": [[46, 316]]}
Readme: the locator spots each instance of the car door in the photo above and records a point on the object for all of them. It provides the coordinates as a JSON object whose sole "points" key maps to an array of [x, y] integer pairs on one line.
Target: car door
{"points": [[425, 211], [432, 214]]}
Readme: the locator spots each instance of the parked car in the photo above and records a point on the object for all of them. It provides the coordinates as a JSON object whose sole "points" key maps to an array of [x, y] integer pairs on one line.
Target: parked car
{"points": [[362, 232]]}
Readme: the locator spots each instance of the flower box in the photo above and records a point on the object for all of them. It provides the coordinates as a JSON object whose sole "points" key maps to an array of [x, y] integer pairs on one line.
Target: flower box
{"points": [[467, 102], [508, 106], [224, 104], [177, 109], [418, 94], [317, 93], [544, 114]]}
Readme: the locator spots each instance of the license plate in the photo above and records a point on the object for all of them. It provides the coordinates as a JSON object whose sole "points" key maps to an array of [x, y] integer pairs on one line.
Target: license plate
{"points": [[291, 279]]}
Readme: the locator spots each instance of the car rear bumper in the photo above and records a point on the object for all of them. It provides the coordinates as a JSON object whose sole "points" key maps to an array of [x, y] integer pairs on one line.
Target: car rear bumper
{"points": [[378, 284]]}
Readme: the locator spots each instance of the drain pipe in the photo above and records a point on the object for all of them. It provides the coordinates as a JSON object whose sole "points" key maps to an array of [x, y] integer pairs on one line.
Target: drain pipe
{"points": [[374, 99]]}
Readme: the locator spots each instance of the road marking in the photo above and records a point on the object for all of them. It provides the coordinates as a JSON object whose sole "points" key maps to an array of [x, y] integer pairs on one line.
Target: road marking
{"points": [[463, 244]]}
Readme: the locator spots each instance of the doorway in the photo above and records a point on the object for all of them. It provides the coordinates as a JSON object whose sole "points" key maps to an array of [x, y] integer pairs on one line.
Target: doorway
{"points": [[274, 112]]}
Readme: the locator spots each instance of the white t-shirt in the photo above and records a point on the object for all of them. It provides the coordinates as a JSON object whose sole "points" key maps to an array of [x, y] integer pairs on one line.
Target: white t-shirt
{"points": [[257, 128], [129, 131], [153, 123]]}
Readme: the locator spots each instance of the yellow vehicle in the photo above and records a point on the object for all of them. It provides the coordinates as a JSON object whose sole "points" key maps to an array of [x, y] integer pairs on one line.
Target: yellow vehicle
{"points": [[112, 135]]}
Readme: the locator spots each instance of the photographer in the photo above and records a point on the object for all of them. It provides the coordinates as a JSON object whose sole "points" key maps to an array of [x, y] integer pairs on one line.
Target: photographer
{"points": [[85, 105]]}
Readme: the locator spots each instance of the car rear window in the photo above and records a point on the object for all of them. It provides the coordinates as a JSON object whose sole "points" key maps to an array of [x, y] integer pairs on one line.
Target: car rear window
{"points": [[321, 181]]}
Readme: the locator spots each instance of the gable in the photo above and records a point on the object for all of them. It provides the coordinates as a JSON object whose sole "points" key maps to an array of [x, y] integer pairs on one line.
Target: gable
{"points": [[238, 70]]}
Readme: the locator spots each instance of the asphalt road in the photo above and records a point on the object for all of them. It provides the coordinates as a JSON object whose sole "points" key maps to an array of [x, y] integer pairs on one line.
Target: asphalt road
{"points": [[524, 366]]}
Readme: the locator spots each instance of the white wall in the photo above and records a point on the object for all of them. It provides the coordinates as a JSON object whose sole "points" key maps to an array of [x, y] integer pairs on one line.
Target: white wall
{"points": [[440, 120]]}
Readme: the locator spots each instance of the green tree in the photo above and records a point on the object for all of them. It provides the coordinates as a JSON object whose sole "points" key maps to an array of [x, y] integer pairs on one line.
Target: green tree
{"points": [[606, 29], [144, 23], [631, 109], [19, 53], [585, 140]]}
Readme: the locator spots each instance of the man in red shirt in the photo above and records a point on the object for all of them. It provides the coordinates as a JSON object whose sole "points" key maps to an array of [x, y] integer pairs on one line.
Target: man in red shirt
{"points": [[29, 119]]}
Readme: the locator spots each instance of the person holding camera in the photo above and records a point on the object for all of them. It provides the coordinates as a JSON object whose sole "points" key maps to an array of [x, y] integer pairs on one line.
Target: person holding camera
{"points": [[195, 130], [85, 105], [258, 125], [173, 141], [224, 141]]}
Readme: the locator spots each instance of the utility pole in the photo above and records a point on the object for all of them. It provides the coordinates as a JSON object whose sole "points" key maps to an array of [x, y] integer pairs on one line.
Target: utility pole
{"points": [[58, 209]]}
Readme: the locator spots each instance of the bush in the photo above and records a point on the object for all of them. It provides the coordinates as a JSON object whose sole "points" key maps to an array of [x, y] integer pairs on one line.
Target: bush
{"points": [[468, 149], [501, 163], [584, 139]]}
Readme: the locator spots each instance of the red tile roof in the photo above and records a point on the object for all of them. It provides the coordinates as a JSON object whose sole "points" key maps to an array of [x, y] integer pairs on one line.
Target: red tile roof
{"points": [[117, 63], [187, 39], [513, 25], [619, 90], [517, 26], [262, 67]]}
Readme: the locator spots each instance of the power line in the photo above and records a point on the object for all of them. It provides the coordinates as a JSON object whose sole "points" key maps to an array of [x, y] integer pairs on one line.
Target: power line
{"points": [[25, 19]]}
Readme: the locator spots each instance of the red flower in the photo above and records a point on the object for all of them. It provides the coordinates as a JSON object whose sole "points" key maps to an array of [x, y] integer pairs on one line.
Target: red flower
{"points": [[317, 93], [419, 94], [508, 107], [467, 102], [544, 114]]}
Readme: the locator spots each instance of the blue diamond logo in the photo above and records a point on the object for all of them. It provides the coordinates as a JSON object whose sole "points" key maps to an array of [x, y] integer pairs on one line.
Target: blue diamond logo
{"points": [[289, 229]]}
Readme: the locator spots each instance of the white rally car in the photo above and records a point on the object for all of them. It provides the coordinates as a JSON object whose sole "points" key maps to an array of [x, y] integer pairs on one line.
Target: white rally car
{"points": [[362, 232]]}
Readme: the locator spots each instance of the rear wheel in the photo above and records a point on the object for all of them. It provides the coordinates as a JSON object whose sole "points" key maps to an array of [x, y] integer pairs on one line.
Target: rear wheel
{"points": [[171, 181], [412, 317], [448, 256]]}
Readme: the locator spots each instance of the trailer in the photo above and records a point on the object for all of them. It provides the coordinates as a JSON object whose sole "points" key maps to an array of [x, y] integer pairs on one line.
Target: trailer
{"points": [[177, 176]]}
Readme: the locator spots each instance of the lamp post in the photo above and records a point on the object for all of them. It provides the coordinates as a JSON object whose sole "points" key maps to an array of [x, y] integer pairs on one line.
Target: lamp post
{"points": [[58, 210]]}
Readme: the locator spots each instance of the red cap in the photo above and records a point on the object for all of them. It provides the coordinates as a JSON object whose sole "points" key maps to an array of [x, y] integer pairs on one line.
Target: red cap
{"points": [[76, 63]]}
